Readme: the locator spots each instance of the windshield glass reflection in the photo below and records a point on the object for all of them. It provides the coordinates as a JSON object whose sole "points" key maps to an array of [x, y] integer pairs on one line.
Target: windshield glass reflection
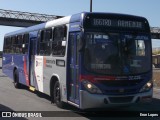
{"points": [[117, 54]]}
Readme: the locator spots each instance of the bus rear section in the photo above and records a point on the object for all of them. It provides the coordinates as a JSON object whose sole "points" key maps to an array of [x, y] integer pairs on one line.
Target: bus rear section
{"points": [[15, 58], [109, 61]]}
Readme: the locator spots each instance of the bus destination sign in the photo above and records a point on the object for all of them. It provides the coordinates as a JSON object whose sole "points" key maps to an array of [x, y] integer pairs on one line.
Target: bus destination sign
{"points": [[117, 23]]}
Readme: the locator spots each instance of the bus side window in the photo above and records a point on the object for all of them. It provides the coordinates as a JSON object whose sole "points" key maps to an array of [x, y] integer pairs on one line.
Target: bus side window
{"points": [[8, 45], [42, 36], [4, 45], [41, 45], [48, 35], [19, 44], [25, 43], [13, 48], [59, 37], [45, 42]]}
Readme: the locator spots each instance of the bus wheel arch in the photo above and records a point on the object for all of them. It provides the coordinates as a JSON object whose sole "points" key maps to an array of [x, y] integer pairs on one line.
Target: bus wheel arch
{"points": [[55, 92]]}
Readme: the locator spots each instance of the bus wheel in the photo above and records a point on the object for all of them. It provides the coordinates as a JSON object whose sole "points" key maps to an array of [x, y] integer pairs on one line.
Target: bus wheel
{"points": [[16, 79], [57, 96]]}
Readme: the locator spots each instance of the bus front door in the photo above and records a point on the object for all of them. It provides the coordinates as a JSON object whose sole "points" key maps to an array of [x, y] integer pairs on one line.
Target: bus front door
{"points": [[32, 52], [73, 79]]}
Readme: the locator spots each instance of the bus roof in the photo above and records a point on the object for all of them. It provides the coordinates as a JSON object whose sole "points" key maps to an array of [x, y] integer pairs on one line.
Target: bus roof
{"points": [[66, 20], [48, 24]]}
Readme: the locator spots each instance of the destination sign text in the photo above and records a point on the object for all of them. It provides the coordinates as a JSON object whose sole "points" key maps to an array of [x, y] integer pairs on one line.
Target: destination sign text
{"points": [[117, 23]]}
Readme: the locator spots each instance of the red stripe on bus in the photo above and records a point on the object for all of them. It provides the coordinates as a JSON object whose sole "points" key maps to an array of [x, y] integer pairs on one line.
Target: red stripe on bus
{"points": [[25, 72], [94, 79]]}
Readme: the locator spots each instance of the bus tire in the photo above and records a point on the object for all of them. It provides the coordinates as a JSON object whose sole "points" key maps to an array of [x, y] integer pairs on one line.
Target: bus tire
{"points": [[56, 94], [16, 79]]}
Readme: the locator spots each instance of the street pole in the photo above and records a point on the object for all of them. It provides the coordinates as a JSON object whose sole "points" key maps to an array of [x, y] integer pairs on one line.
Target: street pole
{"points": [[90, 5]]}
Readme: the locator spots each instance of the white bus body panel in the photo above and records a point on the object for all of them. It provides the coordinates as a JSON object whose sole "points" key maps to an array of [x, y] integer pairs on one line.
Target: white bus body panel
{"points": [[39, 72]]}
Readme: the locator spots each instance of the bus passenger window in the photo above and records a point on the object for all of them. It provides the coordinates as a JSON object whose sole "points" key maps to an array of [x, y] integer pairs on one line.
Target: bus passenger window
{"points": [[48, 35], [25, 42], [4, 45], [45, 49], [140, 47], [59, 36], [25, 38], [45, 43], [19, 44], [13, 46], [8, 45], [42, 36]]}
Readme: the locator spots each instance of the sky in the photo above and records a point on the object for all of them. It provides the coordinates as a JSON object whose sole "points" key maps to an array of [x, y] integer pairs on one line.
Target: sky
{"points": [[146, 8]]}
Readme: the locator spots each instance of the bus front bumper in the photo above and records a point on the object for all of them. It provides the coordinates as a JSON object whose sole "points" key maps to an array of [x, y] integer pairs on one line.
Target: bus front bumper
{"points": [[88, 100]]}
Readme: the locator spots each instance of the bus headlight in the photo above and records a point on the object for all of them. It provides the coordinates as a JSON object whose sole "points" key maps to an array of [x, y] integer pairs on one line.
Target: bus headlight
{"points": [[91, 87], [147, 86]]}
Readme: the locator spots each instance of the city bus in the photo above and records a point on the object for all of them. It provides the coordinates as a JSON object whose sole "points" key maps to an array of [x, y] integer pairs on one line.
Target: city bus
{"points": [[88, 60]]}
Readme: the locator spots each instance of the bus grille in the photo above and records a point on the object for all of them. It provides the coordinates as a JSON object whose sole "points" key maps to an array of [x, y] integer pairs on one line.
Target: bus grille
{"points": [[121, 99], [118, 91], [121, 87], [121, 83]]}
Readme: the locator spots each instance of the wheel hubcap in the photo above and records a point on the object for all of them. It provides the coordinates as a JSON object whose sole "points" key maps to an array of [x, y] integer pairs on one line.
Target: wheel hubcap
{"points": [[57, 95]]}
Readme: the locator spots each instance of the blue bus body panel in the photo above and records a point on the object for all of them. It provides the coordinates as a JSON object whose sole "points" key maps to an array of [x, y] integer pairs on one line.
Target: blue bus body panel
{"points": [[75, 23], [73, 27], [6, 62], [20, 62], [12, 61], [76, 18]]}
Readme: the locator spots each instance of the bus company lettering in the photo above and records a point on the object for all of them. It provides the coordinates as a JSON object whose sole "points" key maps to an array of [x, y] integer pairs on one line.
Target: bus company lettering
{"points": [[38, 63], [49, 62]]}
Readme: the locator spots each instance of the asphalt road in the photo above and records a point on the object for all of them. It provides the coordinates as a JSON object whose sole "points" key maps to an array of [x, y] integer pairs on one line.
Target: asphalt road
{"points": [[22, 100]]}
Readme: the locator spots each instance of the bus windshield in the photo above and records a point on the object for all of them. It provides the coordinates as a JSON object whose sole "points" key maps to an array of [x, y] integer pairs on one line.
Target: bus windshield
{"points": [[117, 53]]}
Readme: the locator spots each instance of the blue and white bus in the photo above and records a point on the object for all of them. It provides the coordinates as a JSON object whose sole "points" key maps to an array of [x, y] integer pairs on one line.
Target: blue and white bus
{"points": [[89, 60]]}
